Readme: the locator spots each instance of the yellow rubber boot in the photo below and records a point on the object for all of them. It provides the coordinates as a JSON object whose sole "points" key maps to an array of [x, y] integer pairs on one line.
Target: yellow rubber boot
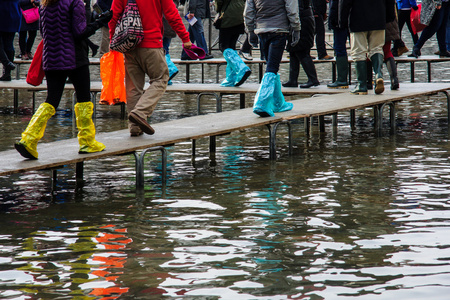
{"points": [[86, 128], [27, 146]]}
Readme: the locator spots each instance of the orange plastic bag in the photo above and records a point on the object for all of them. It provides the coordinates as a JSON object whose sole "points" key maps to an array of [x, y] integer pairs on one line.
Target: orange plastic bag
{"points": [[112, 73]]}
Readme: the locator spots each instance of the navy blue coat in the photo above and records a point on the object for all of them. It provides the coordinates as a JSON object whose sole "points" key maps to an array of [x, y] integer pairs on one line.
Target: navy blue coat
{"points": [[10, 16]]}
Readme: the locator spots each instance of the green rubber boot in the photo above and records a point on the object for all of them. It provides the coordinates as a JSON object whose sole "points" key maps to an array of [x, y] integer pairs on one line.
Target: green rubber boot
{"points": [[342, 74], [361, 76]]}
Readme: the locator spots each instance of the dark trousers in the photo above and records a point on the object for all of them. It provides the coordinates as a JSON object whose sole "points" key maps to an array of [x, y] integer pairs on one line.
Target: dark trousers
{"points": [[340, 37], [437, 25], [404, 17], [272, 48], [6, 46], [56, 81], [246, 47], [320, 36], [26, 40], [229, 36]]}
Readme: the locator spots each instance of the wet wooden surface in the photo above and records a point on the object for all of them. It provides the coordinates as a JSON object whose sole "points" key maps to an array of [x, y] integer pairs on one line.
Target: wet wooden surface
{"points": [[65, 152]]}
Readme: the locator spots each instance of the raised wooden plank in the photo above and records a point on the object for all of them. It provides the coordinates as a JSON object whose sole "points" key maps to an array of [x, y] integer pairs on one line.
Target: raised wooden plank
{"points": [[65, 152], [193, 88]]}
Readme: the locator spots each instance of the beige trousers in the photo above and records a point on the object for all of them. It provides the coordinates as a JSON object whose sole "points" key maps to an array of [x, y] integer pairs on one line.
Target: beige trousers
{"points": [[138, 63], [366, 43], [104, 44]]}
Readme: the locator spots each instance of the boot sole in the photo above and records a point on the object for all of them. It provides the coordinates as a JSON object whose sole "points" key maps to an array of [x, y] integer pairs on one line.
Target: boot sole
{"points": [[262, 114], [338, 87], [23, 151], [379, 86], [244, 78], [173, 75]]}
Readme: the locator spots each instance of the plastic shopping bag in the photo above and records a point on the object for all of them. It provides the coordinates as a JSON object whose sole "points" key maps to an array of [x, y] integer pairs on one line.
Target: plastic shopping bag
{"points": [[112, 73], [36, 73], [415, 20]]}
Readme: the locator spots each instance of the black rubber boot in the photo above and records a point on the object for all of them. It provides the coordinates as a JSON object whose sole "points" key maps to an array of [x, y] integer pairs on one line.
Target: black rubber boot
{"points": [[294, 70], [310, 70], [8, 66], [392, 69]]}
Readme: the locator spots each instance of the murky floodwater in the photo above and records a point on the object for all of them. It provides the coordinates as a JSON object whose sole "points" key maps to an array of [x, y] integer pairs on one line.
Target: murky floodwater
{"points": [[348, 215]]}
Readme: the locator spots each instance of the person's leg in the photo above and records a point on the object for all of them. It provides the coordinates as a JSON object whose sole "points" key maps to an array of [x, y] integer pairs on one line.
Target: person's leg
{"points": [[152, 62], [414, 36], [390, 65], [246, 47], [27, 146], [376, 41], [340, 37], [104, 45], [441, 33], [428, 32], [84, 110], [30, 42], [309, 68], [294, 70], [199, 35], [134, 86], [166, 44], [359, 49], [320, 37], [23, 44], [55, 86], [7, 54], [275, 51]]}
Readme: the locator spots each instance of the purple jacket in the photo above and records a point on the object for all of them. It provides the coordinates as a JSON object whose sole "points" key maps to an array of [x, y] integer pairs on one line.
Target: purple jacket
{"points": [[61, 26]]}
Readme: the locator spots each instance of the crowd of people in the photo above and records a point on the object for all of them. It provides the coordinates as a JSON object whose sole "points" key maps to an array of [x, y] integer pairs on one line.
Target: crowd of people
{"points": [[273, 26]]}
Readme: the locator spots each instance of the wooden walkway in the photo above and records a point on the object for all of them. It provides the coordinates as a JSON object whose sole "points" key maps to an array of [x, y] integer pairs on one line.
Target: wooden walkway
{"points": [[58, 154], [218, 62], [189, 88]]}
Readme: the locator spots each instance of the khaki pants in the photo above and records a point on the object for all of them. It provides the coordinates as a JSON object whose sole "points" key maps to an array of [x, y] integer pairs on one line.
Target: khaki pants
{"points": [[138, 63], [104, 45], [366, 43]]}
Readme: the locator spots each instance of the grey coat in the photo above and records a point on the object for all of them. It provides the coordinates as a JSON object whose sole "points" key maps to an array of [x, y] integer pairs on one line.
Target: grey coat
{"points": [[428, 9], [263, 16]]}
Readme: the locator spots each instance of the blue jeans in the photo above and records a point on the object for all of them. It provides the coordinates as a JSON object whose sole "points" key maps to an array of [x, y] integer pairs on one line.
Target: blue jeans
{"points": [[197, 36], [272, 48], [340, 37], [166, 44]]}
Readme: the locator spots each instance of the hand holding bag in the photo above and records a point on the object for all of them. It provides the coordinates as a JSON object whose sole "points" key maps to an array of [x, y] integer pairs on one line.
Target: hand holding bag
{"points": [[36, 73], [129, 32]]}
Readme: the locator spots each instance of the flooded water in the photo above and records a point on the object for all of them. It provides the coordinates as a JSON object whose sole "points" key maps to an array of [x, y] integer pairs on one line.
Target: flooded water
{"points": [[348, 215]]}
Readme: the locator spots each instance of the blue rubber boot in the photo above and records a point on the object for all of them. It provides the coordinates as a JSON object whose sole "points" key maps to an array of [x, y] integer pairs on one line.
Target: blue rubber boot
{"points": [[173, 70], [231, 76], [241, 70], [280, 103], [264, 99]]}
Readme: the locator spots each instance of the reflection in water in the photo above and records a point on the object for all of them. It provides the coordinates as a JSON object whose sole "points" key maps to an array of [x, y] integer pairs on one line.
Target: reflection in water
{"points": [[348, 215]]}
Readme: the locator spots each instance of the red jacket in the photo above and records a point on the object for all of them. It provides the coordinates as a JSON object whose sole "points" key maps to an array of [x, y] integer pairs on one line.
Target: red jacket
{"points": [[151, 12]]}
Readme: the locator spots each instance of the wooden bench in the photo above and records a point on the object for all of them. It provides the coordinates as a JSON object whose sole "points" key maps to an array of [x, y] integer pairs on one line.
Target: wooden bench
{"points": [[60, 153], [189, 88]]}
